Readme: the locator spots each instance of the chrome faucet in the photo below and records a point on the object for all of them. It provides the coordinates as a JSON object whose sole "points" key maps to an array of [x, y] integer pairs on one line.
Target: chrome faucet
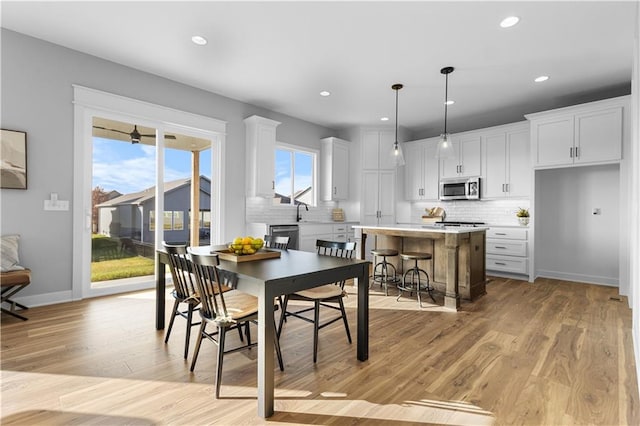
{"points": [[298, 217]]}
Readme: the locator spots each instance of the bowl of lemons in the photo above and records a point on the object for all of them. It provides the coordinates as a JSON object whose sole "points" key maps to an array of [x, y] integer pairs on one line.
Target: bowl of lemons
{"points": [[246, 245]]}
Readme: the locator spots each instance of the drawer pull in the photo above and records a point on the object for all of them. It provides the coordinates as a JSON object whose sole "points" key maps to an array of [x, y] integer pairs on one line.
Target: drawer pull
{"points": [[500, 233], [500, 247], [500, 263]]}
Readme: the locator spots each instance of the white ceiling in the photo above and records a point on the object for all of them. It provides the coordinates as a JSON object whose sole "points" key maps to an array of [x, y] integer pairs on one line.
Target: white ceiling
{"points": [[280, 55]]}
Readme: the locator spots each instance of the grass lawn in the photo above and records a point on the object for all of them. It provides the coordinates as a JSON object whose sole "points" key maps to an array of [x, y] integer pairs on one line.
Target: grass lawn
{"points": [[121, 268], [112, 263]]}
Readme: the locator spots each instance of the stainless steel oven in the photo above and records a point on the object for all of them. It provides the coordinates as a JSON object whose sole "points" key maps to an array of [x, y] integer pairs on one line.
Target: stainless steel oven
{"points": [[290, 231]]}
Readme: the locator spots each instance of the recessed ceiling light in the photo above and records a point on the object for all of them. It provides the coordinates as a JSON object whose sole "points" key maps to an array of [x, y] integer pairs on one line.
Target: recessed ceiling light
{"points": [[450, 102], [199, 40], [509, 21], [325, 93], [541, 78], [384, 119]]}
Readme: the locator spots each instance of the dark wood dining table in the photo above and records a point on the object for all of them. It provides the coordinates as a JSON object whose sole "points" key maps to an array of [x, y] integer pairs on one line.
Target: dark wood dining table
{"points": [[268, 278]]}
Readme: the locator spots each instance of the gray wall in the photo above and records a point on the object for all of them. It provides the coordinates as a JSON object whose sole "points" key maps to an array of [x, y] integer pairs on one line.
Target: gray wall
{"points": [[37, 95], [571, 242]]}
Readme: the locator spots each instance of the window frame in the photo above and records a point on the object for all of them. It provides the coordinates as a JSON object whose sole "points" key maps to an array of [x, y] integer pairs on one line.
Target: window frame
{"points": [[315, 155]]}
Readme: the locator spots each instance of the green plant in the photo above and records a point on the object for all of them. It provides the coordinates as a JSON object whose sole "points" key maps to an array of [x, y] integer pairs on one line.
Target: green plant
{"points": [[522, 212]]}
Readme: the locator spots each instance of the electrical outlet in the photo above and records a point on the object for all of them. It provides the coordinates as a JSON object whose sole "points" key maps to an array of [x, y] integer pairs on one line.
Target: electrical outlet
{"points": [[56, 205]]}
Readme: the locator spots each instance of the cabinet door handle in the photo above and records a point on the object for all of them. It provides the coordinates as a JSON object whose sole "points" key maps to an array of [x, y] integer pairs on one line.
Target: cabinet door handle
{"points": [[508, 186], [571, 152], [273, 184], [577, 151], [335, 190]]}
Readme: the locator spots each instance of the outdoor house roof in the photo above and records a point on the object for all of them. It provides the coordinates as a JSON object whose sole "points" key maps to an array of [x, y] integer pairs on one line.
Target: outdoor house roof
{"points": [[137, 198]]}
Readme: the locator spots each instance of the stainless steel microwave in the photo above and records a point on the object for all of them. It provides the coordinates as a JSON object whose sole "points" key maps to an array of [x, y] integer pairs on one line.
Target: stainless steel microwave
{"points": [[467, 188]]}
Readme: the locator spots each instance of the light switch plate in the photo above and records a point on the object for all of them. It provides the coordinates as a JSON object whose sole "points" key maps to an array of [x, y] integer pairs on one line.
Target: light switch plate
{"points": [[57, 205]]}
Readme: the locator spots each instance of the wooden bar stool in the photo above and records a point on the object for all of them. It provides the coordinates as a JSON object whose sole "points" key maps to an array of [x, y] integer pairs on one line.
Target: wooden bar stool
{"points": [[415, 284], [383, 276]]}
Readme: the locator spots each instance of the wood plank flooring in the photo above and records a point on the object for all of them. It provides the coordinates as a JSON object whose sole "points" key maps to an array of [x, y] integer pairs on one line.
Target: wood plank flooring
{"points": [[548, 353]]}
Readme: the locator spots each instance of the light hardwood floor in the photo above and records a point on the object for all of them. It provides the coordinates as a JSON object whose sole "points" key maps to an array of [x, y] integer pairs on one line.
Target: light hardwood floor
{"points": [[549, 353]]}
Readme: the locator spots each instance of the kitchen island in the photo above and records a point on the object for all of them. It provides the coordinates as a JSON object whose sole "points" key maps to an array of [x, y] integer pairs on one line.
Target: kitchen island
{"points": [[458, 265]]}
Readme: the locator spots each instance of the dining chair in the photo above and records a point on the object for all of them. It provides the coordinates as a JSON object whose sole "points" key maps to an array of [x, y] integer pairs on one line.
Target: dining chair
{"points": [[327, 295], [276, 242], [185, 289], [225, 310]]}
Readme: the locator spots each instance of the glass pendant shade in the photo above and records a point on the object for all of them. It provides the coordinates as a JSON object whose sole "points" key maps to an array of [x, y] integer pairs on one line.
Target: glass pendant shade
{"points": [[445, 148], [397, 155]]}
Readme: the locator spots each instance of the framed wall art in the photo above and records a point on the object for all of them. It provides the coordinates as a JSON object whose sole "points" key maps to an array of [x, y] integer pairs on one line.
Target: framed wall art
{"points": [[13, 156]]}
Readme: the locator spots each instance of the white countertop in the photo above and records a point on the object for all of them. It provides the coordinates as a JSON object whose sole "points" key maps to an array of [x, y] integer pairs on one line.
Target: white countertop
{"points": [[427, 228]]}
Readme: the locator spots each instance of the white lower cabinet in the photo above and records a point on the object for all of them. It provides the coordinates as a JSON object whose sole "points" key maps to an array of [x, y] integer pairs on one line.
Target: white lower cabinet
{"points": [[311, 232], [508, 250]]}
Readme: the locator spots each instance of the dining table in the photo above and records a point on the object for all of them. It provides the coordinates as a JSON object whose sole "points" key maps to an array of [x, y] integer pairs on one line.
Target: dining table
{"points": [[267, 279]]}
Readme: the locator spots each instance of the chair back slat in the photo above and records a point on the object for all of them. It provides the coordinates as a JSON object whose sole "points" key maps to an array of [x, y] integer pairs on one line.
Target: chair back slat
{"points": [[276, 242], [336, 248], [181, 270], [210, 280]]}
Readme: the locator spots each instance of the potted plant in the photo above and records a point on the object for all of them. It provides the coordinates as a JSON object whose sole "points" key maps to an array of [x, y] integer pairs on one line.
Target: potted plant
{"points": [[523, 216]]}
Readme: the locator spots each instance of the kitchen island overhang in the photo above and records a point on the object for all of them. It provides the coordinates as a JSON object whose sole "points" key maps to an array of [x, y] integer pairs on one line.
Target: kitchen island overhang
{"points": [[458, 267]]}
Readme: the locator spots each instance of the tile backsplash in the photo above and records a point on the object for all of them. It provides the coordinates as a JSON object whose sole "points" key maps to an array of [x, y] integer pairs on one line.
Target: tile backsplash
{"points": [[262, 210], [492, 212]]}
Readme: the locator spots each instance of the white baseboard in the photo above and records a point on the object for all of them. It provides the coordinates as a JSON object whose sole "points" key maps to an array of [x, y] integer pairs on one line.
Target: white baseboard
{"points": [[45, 299], [589, 279]]}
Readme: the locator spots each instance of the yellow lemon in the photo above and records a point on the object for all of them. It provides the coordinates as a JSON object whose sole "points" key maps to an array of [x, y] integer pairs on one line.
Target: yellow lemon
{"points": [[247, 240], [237, 240]]}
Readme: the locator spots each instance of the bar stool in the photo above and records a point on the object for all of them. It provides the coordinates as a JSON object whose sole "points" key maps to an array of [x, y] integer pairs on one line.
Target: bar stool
{"points": [[383, 277], [415, 285]]}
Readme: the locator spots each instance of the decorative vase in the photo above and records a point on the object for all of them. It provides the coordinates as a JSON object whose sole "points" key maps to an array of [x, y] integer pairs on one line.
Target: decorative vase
{"points": [[524, 221]]}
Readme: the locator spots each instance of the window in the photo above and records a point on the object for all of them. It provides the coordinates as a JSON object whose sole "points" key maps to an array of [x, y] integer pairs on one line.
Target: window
{"points": [[172, 220], [205, 219], [295, 176]]}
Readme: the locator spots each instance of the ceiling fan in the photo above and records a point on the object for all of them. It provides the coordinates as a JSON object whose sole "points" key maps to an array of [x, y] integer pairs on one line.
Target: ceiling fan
{"points": [[134, 135]]}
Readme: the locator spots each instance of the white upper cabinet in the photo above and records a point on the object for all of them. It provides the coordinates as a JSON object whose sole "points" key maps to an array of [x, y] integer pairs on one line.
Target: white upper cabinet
{"points": [[376, 149], [467, 163], [334, 169], [578, 135], [261, 145], [421, 170], [506, 162]]}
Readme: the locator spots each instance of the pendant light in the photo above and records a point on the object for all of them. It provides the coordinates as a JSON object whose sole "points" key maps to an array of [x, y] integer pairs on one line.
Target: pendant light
{"points": [[445, 146], [396, 150]]}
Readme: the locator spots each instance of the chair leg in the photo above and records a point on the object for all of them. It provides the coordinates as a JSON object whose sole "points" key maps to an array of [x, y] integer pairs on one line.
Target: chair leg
{"points": [[344, 318], [247, 331], [221, 334], [240, 334], [281, 307], [316, 328], [283, 315], [278, 351], [198, 342], [188, 333], [173, 317]]}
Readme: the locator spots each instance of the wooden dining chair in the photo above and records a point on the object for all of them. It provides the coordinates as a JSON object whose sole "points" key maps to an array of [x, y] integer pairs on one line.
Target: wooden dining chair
{"points": [[184, 289], [327, 295], [225, 310]]}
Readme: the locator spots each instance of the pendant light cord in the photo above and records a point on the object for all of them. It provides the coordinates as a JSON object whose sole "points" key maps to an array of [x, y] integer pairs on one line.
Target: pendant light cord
{"points": [[396, 143], [446, 97]]}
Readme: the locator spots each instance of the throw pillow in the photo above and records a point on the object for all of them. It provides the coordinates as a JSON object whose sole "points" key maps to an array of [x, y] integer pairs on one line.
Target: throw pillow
{"points": [[9, 250]]}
